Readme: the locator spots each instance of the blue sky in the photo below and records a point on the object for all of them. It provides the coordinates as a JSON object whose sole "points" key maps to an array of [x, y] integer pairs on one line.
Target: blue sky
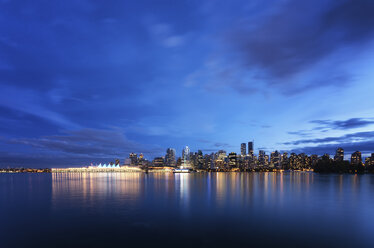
{"points": [[84, 81]]}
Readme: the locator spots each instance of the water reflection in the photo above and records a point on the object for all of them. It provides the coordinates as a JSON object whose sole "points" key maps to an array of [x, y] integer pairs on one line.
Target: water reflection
{"points": [[294, 209], [96, 189]]}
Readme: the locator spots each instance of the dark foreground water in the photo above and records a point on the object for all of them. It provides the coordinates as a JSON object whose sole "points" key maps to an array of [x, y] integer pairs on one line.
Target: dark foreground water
{"points": [[296, 209]]}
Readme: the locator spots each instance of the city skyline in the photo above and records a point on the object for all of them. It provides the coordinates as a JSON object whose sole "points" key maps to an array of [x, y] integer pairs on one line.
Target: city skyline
{"points": [[171, 158], [88, 80]]}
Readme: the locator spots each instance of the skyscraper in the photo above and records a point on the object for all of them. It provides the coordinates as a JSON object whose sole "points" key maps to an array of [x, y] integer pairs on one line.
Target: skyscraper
{"points": [[243, 149], [275, 158], [186, 163], [261, 157], [356, 158], [134, 159], [339, 155], [250, 147], [186, 154], [233, 163], [170, 157]]}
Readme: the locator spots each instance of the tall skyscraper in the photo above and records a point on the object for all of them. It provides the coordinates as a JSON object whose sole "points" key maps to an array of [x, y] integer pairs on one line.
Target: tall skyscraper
{"points": [[275, 158], [339, 155], [356, 158], [233, 163], [243, 149], [134, 159], [186, 161], [170, 157], [186, 154], [261, 157], [250, 147]]}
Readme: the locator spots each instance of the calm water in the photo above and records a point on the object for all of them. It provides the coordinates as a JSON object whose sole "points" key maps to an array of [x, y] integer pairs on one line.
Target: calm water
{"points": [[186, 210]]}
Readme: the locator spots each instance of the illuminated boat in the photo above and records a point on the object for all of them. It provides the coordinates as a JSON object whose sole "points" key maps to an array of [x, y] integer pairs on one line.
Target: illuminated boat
{"points": [[181, 171]]}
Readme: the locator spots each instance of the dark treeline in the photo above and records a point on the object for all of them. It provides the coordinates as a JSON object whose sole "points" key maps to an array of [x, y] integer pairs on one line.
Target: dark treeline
{"points": [[326, 165]]}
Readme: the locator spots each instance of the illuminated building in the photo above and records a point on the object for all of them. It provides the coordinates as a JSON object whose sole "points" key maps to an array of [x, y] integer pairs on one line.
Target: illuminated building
{"points": [[266, 160], [261, 157], [275, 159], [339, 155], [250, 147], [356, 158], [186, 158], [233, 162], [243, 149], [199, 159], [134, 159], [219, 159], [158, 161], [170, 157], [186, 154]]}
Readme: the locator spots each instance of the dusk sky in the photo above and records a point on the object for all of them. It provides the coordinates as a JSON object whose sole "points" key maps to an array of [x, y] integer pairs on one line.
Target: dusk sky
{"points": [[92, 81]]}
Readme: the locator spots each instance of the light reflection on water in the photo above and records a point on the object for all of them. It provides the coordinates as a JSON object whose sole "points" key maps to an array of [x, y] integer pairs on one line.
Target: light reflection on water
{"points": [[204, 209]]}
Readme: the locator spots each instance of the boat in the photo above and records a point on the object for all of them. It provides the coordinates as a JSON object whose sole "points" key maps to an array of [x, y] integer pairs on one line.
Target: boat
{"points": [[181, 171]]}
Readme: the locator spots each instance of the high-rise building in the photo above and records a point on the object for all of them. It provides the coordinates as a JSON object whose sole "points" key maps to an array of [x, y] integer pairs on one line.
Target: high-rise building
{"points": [[200, 159], [233, 162], [261, 157], [158, 161], [243, 149], [266, 160], [356, 158], [186, 161], [275, 158], [250, 147], [186, 154], [339, 155], [170, 157], [134, 159]]}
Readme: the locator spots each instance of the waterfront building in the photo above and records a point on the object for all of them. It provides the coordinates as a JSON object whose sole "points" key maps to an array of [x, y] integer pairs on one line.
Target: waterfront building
{"points": [[372, 159], [250, 147], [170, 157], [356, 158], [158, 162], [261, 157], [199, 160], [275, 159], [186, 158], [266, 160], [134, 159], [233, 161], [186, 153], [208, 161], [243, 149], [339, 154]]}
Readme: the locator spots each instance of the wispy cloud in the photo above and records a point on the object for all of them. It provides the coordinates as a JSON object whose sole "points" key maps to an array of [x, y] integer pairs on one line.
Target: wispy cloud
{"points": [[344, 125], [31, 102], [352, 137], [88, 142]]}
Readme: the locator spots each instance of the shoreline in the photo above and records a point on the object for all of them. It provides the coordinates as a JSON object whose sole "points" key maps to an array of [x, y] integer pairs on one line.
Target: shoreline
{"points": [[138, 170]]}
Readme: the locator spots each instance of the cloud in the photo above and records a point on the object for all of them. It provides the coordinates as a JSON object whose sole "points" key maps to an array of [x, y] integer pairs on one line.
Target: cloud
{"points": [[302, 133], [366, 147], [88, 142], [164, 34], [31, 102], [352, 137], [344, 125], [324, 126], [297, 36], [219, 144]]}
